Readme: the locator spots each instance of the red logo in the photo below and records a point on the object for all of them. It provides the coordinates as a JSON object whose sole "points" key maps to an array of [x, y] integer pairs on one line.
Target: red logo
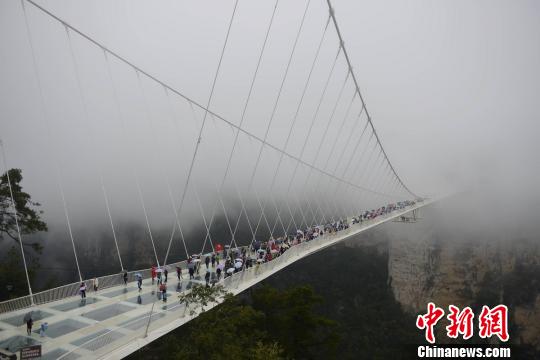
{"points": [[490, 322], [494, 322], [429, 320], [460, 322]]}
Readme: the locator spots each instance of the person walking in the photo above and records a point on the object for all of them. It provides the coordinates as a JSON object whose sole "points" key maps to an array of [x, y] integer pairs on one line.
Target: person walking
{"points": [[125, 277], [82, 290], [207, 277], [213, 260], [163, 289], [179, 273], [218, 271], [139, 281], [207, 262], [166, 273], [191, 269], [158, 271], [153, 272], [95, 284], [29, 324], [43, 327]]}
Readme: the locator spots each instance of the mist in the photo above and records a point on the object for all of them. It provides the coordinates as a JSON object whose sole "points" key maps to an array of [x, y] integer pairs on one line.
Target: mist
{"points": [[452, 89]]}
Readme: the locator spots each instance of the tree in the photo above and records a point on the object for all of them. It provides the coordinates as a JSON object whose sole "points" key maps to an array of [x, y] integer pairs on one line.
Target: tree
{"points": [[280, 324], [231, 330], [29, 220], [293, 322], [28, 214], [12, 277], [200, 296]]}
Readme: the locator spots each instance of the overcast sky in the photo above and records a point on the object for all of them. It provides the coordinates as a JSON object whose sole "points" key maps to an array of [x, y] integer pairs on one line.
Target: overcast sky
{"points": [[452, 88]]}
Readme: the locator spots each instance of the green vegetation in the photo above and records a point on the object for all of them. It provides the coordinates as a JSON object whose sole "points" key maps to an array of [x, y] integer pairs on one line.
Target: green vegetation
{"points": [[354, 283], [277, 325], [30, 222], [28, 216], [200, 296], [291, 318]]}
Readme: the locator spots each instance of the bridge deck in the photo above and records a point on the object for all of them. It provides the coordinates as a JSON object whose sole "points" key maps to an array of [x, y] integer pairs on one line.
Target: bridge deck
{"points": [[112, 323]]}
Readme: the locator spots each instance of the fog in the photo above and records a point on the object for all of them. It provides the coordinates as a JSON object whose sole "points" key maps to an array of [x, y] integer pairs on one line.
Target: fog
{"points": [[452, 89]]}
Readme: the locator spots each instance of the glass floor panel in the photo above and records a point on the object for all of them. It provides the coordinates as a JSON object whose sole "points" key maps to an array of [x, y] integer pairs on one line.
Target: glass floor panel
{"points": [[63, 327], [119, 291], [56, 353], [107, 312], [147, 298], [103, 340], [15, 343], [75, 304], [19, 319], [136, 324], [87, 338]]}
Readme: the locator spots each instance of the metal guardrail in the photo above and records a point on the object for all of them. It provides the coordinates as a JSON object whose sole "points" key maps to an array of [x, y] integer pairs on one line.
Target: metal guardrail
{"points": [[71, 290]]}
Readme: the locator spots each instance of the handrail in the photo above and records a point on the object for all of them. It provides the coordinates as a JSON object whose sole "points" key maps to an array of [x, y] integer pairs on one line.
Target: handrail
{"points": [[72, 289]]}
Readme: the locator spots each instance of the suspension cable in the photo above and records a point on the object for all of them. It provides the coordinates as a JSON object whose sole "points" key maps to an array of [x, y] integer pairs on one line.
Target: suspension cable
{"points": [[293, 122], [133, 168], [16, 215], [308, 135], [332, 14], [173, 118], [276, 102], [165, 176], [206, 111], [47, 126], [328, 123], [173, 90], [337, 137], [242, 118], [87, 118]]}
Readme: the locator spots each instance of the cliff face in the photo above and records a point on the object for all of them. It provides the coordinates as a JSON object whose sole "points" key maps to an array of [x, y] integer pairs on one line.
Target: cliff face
{"points": [[427, 262], [444, 273]]}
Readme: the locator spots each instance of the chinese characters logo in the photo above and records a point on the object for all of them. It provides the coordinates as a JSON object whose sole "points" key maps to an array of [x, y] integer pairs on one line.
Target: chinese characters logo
{"points": [[491, 322]]}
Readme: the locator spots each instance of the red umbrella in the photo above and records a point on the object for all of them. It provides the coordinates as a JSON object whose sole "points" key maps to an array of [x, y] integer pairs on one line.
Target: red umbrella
{"points": [[218, 247]]}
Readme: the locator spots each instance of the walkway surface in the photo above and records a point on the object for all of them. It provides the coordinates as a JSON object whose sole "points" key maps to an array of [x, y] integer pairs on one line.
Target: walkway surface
{"points": [[116, 321]]}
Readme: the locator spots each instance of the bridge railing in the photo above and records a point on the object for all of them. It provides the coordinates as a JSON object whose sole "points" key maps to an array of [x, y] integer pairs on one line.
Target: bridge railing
{"points": [[161, 316], [72, 290]]}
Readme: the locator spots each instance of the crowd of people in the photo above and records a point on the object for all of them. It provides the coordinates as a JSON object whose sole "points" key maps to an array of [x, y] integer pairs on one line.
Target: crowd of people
{"points": [[228, 261]]}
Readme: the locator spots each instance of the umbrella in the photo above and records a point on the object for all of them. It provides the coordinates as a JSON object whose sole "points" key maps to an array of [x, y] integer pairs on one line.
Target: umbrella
{"points": [[138, 275], [28, 316]]}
